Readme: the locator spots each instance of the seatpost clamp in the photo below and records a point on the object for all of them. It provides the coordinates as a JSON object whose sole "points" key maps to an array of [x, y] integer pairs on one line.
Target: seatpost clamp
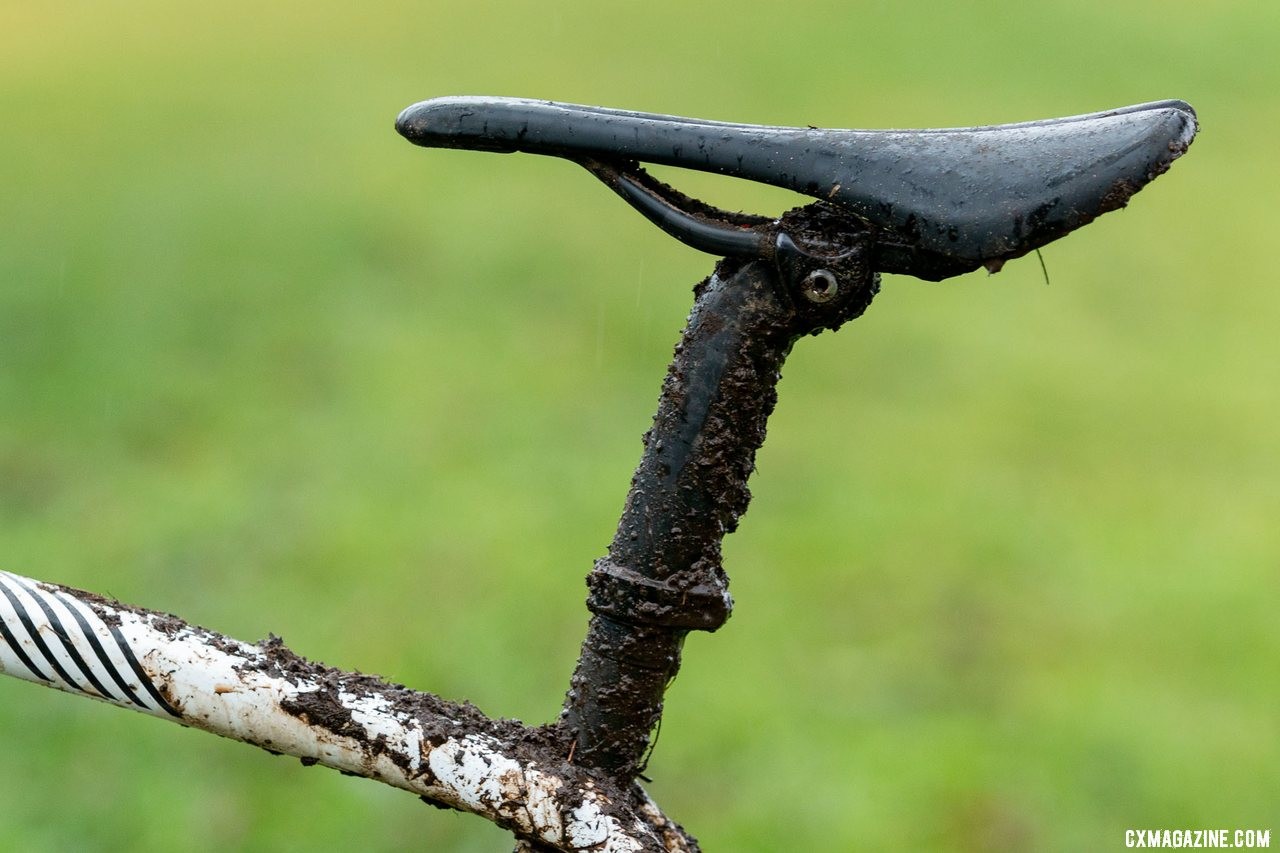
{"points": [[693, 600]]}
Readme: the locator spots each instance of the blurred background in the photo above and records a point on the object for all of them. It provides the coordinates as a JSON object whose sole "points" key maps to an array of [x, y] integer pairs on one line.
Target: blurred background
{"points": [[1010, 580]]}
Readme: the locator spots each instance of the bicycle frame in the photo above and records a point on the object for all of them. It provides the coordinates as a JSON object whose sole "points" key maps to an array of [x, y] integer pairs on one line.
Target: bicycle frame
{"points": [[568, 785], [571, 784], [267, 696]]}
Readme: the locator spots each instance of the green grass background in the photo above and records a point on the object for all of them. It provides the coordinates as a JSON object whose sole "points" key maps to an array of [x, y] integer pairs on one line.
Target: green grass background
{"points": [[1012, 576]]}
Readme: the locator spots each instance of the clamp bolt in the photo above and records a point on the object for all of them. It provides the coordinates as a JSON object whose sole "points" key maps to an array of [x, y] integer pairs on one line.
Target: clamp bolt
{"points": [[820, 286]]}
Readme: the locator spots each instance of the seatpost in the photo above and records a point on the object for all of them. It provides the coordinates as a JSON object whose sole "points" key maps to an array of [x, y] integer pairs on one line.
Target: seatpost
{"points": [[662, 576]]}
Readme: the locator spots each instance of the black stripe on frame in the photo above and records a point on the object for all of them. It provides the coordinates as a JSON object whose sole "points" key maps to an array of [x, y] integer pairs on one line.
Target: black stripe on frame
{"points": [[25, 618], [139, 671], [22, 656], [98, 650], [67, 643]]}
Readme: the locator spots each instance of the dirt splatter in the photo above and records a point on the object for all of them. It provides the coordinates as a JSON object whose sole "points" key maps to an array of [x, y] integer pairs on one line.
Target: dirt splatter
{"points": [[663, 574], [1117, 196]]}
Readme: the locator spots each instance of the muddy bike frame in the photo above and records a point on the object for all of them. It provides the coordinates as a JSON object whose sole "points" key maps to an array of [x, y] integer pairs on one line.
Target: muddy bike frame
{"points": [[571, 785]]}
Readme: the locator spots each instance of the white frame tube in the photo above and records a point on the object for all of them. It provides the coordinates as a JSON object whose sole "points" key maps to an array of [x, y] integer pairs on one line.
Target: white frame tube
{"points": [[266, 695]]}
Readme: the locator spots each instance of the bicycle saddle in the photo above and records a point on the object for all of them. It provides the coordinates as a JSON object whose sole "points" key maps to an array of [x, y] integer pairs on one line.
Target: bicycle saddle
{"points": [[937, 202]]}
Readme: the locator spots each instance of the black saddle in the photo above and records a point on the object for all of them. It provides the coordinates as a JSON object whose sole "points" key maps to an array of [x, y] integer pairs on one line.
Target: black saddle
{"points": [[939, 202]]}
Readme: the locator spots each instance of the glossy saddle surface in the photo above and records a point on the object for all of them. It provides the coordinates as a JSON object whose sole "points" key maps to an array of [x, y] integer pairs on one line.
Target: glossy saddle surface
{"points": [[942, 201]]}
